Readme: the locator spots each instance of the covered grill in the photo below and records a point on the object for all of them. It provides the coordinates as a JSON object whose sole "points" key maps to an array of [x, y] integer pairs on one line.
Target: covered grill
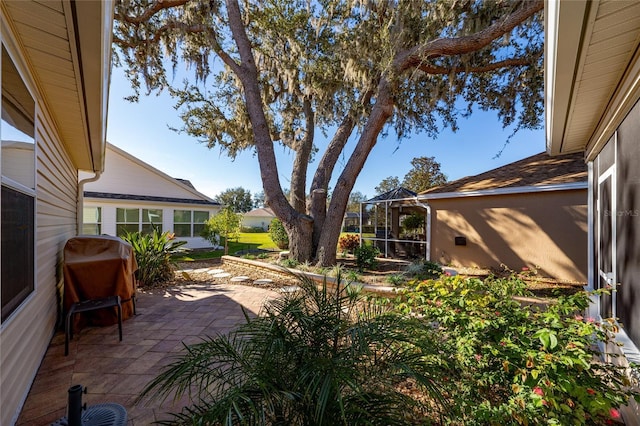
{"points": [[97, 267]]}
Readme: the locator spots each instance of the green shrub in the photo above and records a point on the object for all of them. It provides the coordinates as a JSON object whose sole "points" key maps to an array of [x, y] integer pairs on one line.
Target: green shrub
{"points": [[153, 254], [423, 270], [289, 263], [516, 364], [396, 279], [278, 234], [251, 230], [312, 357], [366, 257]]}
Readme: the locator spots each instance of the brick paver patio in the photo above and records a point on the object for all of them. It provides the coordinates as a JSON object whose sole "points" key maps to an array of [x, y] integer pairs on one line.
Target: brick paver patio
{"points": [[114, 371]]}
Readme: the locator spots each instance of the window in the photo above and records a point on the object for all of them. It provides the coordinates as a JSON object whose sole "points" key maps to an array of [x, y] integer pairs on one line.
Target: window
{"points": [[199, 218], [187, 223], [17, 220], [151, 219], [92, 220], [129, 220], [182, 223]]}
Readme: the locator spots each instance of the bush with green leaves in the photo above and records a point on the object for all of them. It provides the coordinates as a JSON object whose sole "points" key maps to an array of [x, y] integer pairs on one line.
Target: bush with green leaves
{"points": [[519, 364], [225, 224], [366, 257], [312, 357], [153, 255], [278, 234], [423, 270]]}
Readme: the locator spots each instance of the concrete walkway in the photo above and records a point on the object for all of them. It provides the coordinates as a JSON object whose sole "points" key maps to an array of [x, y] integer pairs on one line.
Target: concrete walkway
{"points": [[114, 371]]}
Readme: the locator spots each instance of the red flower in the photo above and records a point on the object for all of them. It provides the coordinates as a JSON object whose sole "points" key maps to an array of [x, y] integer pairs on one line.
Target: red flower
{"points": [[538, 391], [524, 268], [615, 414], [478, 357], [591, 391]]}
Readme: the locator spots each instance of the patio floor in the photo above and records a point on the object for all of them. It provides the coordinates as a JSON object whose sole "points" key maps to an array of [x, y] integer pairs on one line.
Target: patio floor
{"points": [[114, 371]]}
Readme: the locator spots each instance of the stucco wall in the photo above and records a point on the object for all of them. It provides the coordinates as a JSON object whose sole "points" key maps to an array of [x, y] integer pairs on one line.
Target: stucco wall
{"points": [[546, 231]]}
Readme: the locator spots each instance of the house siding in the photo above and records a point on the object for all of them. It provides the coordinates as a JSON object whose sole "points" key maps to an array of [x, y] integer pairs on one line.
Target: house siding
{"points": [[109, 207], [547, 231], [26, 334], [124, 175]]}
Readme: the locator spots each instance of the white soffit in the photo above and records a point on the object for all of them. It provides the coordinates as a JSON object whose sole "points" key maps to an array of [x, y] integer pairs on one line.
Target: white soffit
{"points": [[590, 46], [67, 46]]}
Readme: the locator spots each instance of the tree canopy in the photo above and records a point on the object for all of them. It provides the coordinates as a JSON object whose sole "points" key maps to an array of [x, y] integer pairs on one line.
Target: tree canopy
{"points": [[387, 184], [274, 72], [425, 173], [237, 199]]}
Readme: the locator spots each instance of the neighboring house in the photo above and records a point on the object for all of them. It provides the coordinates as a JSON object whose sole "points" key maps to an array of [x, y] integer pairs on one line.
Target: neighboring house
{"points": [[351, 222], [55, 71], [258, 218], [130, 195], [592, 88], [530, 213]]}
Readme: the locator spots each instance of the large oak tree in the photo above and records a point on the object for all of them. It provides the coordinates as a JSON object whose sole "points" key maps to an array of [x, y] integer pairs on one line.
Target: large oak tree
{"points": [[277, 71]]}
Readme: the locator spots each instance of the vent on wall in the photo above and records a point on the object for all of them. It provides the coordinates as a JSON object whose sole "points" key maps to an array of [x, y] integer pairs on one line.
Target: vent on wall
{"points": [[461, 241]]}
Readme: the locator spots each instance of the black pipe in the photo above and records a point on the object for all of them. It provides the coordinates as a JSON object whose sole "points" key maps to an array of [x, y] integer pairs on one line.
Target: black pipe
{"points": [[74, 416]]}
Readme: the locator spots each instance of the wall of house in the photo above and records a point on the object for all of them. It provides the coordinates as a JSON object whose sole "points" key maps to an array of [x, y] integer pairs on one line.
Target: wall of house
{"points": [[546, 231], [26, 334], [109, 207], [257, 222], [123, 175]]}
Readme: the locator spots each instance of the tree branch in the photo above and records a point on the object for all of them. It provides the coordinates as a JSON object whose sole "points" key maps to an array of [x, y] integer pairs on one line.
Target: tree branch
{"points": [[416, 56], [152, 10], [513, 62]]}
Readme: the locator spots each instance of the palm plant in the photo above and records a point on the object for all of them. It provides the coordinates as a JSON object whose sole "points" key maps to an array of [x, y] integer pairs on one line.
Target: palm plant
{"points": [[313, 357], [153, 255]]}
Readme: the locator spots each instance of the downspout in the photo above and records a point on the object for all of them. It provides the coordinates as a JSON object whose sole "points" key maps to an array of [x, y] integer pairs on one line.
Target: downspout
{"points": [[80, 200], [427, 250]]}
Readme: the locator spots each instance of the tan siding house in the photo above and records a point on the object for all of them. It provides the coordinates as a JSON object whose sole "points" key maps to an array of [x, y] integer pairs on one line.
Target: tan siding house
{"points": [[55, 72], [531, 213], [132, 195]]}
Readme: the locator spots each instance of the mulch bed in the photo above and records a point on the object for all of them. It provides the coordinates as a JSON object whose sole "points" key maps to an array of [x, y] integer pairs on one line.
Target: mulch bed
{"points": [[195, 274]]}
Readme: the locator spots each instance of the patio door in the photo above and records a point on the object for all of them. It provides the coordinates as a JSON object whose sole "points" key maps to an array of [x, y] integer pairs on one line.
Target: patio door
{"points": [[606, 258]]}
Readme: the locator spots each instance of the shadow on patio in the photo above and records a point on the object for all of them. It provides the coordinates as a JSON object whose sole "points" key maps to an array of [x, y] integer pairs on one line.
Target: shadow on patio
{"points": [[114, 371]]}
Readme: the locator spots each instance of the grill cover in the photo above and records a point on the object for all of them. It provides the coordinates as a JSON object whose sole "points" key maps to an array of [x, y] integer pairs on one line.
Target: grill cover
{"points": [[95, 267]]}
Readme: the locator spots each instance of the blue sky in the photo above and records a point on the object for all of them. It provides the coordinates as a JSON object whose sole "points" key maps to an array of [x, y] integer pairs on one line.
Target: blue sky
{"points": [[142, 129]]}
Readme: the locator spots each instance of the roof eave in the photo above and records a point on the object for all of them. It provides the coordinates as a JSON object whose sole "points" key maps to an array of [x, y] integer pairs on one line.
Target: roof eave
{"points": [[94, 57], [564, 33]]}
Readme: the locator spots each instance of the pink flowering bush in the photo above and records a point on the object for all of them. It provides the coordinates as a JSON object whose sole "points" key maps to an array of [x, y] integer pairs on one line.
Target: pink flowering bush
{"points": [[510, 363]]}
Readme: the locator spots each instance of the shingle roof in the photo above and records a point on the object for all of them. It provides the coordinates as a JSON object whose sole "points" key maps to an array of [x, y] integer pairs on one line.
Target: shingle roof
{"points": [[537, 170], [111, 196], [261, 212]]}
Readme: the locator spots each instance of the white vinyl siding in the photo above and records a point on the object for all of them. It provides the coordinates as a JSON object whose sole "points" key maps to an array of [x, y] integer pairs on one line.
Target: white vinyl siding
{"points": [[27, 333]]}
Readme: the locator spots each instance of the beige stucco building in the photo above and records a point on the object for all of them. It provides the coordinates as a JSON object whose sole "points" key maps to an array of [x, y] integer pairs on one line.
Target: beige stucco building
{"points": [[531, 213]]}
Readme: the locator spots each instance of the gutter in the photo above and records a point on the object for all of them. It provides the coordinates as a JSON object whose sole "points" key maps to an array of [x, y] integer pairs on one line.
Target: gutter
{"points": [[505, 191], [80, 200]]}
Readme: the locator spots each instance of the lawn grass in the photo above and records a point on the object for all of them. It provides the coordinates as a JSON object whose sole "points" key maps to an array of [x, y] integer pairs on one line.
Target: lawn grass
{"points": [[246, 241]]}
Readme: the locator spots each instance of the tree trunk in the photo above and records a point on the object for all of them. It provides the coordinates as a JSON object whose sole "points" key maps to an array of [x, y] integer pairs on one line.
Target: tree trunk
{"points": [[328, 241], [300, 238], [301, 161]]}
